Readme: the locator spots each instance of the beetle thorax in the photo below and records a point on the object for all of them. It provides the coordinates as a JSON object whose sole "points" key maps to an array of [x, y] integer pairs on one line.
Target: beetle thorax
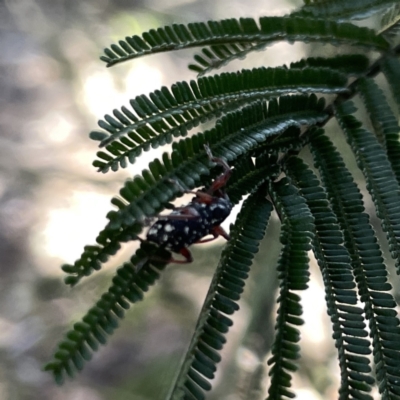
{"points": [[218, 210], [175, 234]]}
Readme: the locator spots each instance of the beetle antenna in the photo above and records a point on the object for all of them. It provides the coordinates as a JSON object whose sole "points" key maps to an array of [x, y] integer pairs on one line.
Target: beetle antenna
{"points": [[216, 160], [221, 181]]}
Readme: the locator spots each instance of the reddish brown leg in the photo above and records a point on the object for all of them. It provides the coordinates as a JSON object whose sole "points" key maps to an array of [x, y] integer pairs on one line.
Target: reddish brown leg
{"points": [[204, 197], [206, 240], [216, 232], [219, 231], [186, 253]]}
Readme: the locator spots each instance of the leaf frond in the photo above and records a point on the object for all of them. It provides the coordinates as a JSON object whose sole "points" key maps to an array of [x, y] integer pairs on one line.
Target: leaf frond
{"points": [[282, 113], [263, 118], [334, 261], [349, 64], [291, 29], [128, 287], [233, 137], [391, 70], [231, 38], [381, 180], [248, 176], [296, 234], [342, 9], [145, 196], [383, 120], [173, 114], [389, 23], [225, 290], [366, 260], [93, 256]]}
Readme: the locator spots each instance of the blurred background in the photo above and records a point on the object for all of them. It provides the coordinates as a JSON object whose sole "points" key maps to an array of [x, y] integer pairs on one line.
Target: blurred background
{"points": [[53, 202]]}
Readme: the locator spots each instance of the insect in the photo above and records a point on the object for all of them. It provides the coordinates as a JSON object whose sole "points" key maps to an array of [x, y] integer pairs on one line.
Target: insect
{"points": [[201, 217]]}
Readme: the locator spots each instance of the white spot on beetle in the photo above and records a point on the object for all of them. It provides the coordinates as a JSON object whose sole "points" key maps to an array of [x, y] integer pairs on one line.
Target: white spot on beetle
{"points": [[186, 229], [168, 228], [153, 231], [165, 238]]}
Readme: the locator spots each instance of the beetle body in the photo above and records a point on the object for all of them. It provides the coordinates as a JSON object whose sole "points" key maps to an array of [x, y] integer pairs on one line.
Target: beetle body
{"points": [[196, 220], [201, 217]]}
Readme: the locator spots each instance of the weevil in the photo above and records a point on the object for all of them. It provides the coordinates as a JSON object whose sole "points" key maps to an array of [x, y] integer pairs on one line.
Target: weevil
{"points": [[201, 217]]}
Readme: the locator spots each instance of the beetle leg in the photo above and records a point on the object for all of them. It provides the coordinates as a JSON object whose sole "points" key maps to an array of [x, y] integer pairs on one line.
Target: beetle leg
{"points": [[186, 253], [207, 240], [220, 182], [219, 231], [204, 197], [216, 232]]}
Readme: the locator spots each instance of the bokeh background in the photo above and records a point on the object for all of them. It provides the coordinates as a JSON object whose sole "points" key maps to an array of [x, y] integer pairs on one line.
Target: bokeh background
{"points": [[53, 89]]}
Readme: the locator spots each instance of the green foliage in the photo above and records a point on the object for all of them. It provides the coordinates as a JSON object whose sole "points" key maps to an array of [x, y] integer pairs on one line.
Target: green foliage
{"points": [[292, 108], [390, 68], [222, 297], [344, 10], [334, 261], [230, 39], [128, 287], [143, 196], [263, 118], [381, 180], [366, 259], [297, 231]]}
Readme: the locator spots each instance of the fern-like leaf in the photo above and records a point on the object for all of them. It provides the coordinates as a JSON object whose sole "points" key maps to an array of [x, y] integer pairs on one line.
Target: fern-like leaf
{"points": [[366, 260], [391, 70], [296, 234], [389, 23], [334, 261], [383, 120], [349, 64], [231, 38], [128, 287], [275, 29], [156, 122], [381, 181], [225, 290], [248, 176], [264, 117], [342, 9]]}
